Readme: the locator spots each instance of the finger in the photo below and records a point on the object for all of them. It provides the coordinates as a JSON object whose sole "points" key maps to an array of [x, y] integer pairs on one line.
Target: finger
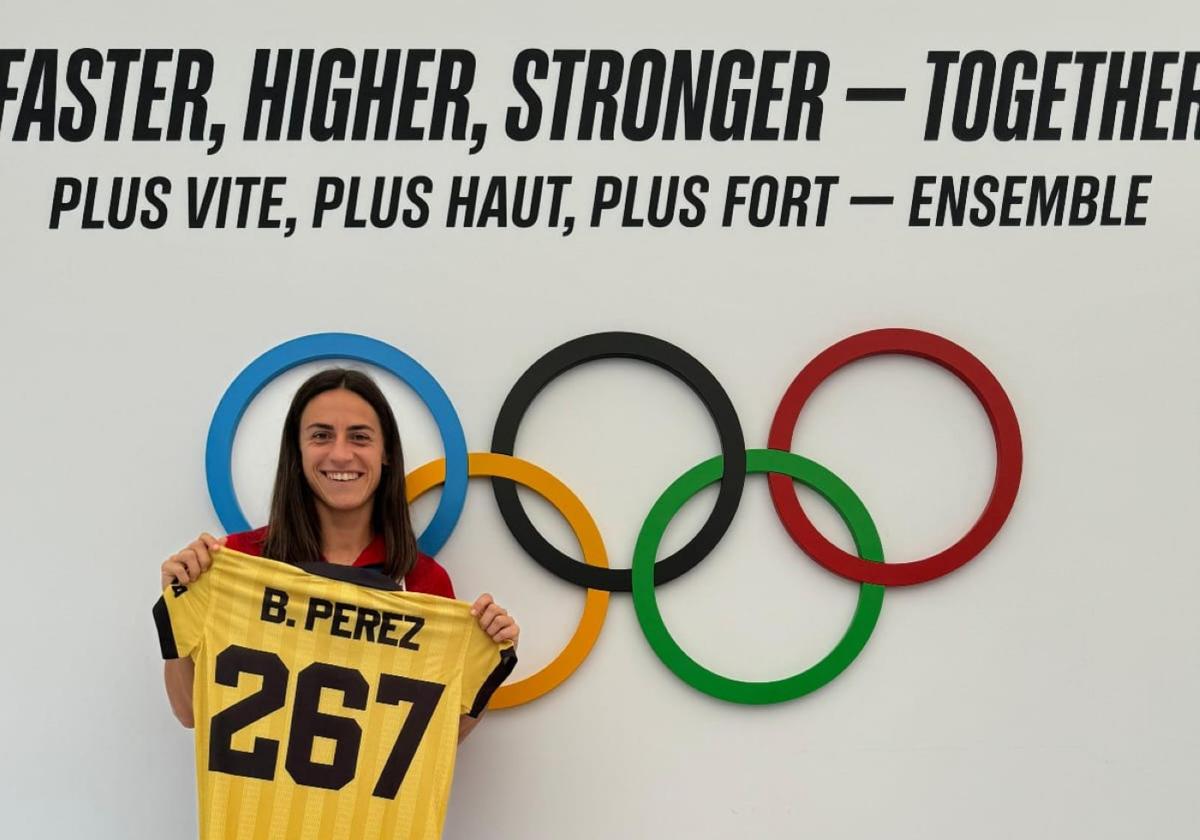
{"points": [[192, 562], [168, 573], [481, 603], [497, 624], [510, 633], [176, 569], [490, 613], [211, 542], [201, 549], [202, 555]]}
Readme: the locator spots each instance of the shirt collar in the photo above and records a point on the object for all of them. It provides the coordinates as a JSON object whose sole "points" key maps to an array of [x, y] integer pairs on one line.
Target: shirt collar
{"points": [[374, 554]]}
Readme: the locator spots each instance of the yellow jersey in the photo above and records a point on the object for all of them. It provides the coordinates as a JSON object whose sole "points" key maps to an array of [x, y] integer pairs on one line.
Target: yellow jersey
{"points": [[326, 699]]}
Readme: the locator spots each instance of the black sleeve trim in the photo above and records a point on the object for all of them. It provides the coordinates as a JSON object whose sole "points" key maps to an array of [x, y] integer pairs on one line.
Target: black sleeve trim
{"points": [[166, 636], [508, 661]]}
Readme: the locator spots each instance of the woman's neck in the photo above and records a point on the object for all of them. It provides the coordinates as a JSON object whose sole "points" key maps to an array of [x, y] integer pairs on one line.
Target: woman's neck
{"points": [[344, 534]]}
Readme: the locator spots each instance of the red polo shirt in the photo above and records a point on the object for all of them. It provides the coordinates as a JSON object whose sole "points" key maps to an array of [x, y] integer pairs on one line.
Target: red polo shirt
{"points": [[427, 575]]}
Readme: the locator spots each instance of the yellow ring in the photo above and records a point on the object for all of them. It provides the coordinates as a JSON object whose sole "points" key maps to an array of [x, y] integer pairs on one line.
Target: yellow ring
{"points": [[595, 607]]}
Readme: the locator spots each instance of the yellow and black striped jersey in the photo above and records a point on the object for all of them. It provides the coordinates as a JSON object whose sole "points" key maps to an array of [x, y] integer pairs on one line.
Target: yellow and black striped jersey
{"points": [[326, 699]]}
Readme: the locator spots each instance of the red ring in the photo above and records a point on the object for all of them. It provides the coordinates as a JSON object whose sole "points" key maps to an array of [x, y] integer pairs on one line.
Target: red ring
{"points": [[1004, 428]]}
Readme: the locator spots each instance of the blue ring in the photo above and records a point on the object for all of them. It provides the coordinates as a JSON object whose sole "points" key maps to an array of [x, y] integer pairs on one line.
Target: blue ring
{"points": [[218, 455]]}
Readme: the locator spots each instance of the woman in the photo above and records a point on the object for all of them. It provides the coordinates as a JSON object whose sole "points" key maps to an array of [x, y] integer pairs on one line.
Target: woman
{"points": [[338, 497]]}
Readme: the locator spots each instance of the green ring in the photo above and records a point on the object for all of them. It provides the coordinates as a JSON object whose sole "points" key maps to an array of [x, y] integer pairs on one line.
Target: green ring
{"points": [[870, 596]]}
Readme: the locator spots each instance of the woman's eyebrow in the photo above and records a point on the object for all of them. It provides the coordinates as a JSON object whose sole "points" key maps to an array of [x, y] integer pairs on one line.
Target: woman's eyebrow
{"points": [[320, 426]]}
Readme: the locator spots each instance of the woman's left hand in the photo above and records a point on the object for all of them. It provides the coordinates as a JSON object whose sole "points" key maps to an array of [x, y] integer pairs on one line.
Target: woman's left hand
{"points": [[495, 620]]}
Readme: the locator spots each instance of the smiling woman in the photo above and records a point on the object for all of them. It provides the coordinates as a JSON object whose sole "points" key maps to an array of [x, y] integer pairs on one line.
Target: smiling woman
{"points": [[339, 498], [340, 448]]}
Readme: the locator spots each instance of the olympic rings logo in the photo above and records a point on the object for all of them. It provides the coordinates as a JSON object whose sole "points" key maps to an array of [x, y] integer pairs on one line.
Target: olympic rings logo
{"points": [[728, 470]]}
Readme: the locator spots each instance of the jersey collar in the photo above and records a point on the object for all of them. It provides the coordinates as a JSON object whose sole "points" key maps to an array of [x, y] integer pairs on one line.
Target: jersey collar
{"points": [[368, 576]]}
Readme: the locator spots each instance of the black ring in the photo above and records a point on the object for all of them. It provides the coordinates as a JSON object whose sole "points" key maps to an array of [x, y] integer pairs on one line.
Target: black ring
{"points": [[644, 348]]}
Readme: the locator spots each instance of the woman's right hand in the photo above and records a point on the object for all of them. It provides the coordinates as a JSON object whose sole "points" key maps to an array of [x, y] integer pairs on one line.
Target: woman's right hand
{"points": [[191, 562]]}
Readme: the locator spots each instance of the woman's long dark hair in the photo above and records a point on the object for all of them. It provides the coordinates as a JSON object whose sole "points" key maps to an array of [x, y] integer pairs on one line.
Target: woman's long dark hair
{"points": [[294, 534]]}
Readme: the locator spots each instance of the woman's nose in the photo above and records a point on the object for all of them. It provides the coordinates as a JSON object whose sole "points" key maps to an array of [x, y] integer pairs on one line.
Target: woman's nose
{"points": [[341, 449]]}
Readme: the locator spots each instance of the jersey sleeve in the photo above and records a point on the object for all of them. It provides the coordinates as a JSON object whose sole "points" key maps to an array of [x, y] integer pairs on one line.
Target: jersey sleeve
{"points": [[181, 614], [486, 665]]}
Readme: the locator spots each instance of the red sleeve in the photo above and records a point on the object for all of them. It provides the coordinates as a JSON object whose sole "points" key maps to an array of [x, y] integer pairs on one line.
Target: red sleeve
{"points": [[429, 577], [248, 542]]}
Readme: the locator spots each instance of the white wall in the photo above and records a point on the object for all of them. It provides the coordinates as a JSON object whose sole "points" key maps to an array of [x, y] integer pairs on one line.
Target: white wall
{"points": [[1047, 689]]}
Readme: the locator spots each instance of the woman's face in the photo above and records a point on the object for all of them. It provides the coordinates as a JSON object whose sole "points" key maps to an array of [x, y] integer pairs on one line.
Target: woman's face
{"points": [[341, 449]]}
